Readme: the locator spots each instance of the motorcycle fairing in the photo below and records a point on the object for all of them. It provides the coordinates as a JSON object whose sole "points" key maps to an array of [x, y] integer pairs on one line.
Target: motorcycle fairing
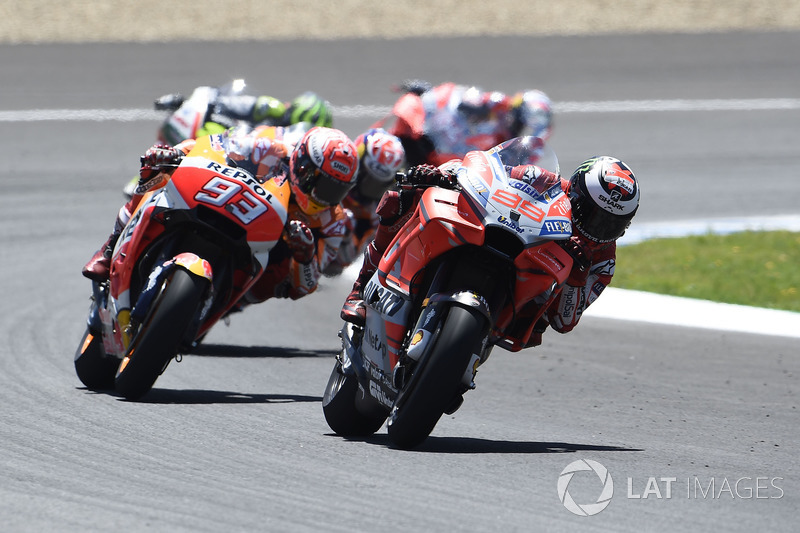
{"points": [[185, 122], [537, 210], [443, 220], [200, 182], [541, 272], [407, 118], [261, 208]]}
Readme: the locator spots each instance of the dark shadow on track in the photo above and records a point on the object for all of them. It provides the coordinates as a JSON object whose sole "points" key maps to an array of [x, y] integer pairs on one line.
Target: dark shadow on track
{"points": [[474, 445], [199, 396], [224, 350], [195, 396]]}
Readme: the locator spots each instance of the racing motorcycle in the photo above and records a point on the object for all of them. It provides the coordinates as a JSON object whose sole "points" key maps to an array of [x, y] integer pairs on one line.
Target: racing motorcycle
{"points": [[475, 267], [183, 261], [424, 116], [195, 116], [200, 115]]}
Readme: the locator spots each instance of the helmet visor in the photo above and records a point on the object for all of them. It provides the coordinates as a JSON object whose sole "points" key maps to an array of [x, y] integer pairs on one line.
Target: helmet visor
{"points": [[321, 187], [597, 223]]}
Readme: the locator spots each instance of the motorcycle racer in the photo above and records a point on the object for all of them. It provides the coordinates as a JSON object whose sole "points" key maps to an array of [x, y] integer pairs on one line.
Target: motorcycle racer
{"points": [[604, 194], [381, 156], [321, 170], [230, 106], [439, 123]]}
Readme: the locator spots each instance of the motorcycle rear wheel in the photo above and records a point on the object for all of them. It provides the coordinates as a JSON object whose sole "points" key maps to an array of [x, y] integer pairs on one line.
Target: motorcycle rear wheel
{"points": [[340, 405], [161, 334], [94, 368], [437, 379]]}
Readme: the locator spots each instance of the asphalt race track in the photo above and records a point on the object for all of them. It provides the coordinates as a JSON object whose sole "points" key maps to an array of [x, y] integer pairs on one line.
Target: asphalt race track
{"points": [[697, 428]]}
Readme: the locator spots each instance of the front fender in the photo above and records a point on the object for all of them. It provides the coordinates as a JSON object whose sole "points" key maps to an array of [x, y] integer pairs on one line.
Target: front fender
{"points": [[194, 265], [190, 262], [468, 299], [430, 317]]}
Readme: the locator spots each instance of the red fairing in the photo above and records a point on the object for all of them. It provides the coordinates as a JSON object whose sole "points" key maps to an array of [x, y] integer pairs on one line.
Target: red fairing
{"points": [[409, 115], [441, 222]]}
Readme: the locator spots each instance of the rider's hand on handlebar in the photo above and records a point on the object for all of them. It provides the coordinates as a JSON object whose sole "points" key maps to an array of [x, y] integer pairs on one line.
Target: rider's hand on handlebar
{"points": [[169, 102], [429, 176], [160, 155], [157, 158]]}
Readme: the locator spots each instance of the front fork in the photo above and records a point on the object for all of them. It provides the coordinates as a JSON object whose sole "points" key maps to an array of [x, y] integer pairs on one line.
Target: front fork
{"points": [[192, 263], [428, 326]]}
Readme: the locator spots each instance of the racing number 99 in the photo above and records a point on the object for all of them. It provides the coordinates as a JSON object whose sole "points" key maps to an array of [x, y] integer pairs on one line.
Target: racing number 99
{"points": [[513, 201]]}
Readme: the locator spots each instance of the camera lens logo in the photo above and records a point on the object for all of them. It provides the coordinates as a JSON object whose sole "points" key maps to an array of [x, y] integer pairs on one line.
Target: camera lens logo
{"points": [[587, 509]]}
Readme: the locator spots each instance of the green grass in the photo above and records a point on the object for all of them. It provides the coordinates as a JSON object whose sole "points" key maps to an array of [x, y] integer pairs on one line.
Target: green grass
{"points": [[760, 269]]}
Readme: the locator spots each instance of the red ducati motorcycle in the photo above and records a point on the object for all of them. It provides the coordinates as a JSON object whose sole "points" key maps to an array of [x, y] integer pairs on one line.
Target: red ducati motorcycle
{"points": [[474, 268]]}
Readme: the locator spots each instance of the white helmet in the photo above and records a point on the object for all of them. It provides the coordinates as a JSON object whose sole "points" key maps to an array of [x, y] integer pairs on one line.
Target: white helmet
{"points": [[532, 114], [381, 155], [604, 195]]}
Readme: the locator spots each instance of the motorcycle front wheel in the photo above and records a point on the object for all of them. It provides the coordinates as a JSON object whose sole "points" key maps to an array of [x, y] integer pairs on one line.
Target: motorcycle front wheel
{"points": [[94, 368], [340, 405], [437, 379], [161, 334]]}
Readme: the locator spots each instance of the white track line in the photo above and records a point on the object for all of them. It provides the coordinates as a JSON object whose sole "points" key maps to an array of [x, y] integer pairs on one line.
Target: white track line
{"points": [[615, 303], [376, 111]]}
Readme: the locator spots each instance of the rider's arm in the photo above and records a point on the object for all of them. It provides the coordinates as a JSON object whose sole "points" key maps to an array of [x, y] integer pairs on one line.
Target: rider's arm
{"points": [[330, 229], [566, 311], [252, 109]]}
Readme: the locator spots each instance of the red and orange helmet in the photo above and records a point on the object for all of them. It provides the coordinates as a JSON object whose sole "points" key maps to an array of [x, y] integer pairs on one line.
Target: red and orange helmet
{"points": [[322, 169]]}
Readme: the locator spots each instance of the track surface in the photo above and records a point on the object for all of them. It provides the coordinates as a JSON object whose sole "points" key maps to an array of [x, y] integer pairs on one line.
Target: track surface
{"points": [[233, 439]]}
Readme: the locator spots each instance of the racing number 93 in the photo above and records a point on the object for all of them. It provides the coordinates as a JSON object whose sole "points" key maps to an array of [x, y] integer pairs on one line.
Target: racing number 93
{"points": [[511, 200], [219, 192]]}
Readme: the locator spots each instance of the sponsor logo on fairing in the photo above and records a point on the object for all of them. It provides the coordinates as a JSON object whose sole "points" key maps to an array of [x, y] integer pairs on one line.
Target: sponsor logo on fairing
{"points": [[523, 187], [376, 392], [510, 224], [382, 300], [235, 173], [374, 341], [553, 192], [558, 226]]}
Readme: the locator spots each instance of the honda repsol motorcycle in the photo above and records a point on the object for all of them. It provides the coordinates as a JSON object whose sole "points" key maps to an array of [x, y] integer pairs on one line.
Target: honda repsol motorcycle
{"points": [[474, 268], [183, 261]]}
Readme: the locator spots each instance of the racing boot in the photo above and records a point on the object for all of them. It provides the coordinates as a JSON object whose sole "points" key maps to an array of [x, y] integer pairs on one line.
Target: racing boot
{"points": [[354, 309], [99, 266]]}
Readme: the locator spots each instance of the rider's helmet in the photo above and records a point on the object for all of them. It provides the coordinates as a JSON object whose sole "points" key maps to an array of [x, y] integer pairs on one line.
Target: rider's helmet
{"points": [[531, 114], [309, 107], [381, 155], [605, 196], [322, 169]]}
